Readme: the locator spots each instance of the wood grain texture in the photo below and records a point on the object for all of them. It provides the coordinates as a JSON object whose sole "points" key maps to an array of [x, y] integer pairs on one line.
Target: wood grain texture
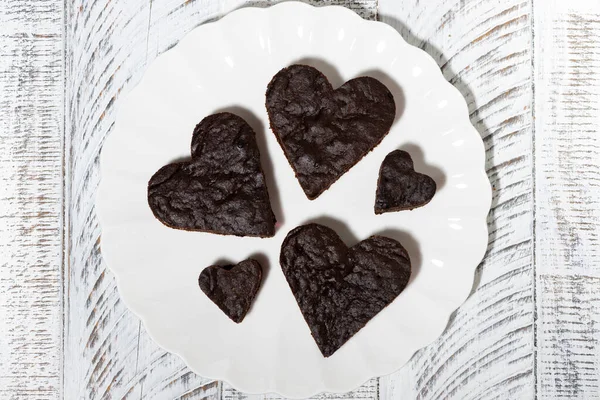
{"points": [[31, 93], [567, 151], [484, 49], [108, 354]]}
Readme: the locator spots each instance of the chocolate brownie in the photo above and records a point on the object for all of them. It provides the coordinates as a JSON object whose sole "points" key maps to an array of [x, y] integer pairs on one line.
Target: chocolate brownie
{"points": [[232, 287], [324, 132], [399, 187], [339, 289], [222, 189]]}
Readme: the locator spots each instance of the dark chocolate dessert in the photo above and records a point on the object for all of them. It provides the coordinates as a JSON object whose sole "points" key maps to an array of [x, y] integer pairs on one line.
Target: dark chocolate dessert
{"points": [[221, 189], [339, 289], [399, 187], [324, 132], [232, 287]]}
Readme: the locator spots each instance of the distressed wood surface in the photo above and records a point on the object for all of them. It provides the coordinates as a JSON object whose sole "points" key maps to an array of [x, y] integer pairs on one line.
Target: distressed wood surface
{"points": [[567, 149], [484, 49], [31, 156], [531, 326]]}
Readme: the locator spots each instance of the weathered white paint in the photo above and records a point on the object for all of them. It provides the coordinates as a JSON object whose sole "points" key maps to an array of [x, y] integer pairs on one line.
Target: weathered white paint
{"points": [[31, 154], [567, 150], [483, 48], [528, 293]]}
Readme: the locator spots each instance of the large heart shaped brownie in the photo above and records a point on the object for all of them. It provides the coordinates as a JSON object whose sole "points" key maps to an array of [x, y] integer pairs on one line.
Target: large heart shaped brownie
{"points": [[222, 189], [232, 287], [324, 132], [399, 187], [339, 289]]}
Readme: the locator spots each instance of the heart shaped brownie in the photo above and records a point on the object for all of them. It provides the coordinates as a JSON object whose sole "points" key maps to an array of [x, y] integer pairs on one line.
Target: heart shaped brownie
{"points": [[399, 187], [324, 132], [339, 289], [232, 287], [222, 189]]}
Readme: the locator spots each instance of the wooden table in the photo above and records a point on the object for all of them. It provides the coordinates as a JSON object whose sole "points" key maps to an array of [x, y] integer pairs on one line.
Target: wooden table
{"points": [[530, 72]]}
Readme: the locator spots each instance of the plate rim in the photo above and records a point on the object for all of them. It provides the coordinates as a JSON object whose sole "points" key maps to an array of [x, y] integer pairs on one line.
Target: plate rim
{"points": [[440, 79]]}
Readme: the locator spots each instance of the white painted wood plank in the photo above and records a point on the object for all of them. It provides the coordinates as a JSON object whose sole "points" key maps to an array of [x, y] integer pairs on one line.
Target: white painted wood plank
{"points": [[484, 48], [31, 115], [567, 151], [109, 44]]}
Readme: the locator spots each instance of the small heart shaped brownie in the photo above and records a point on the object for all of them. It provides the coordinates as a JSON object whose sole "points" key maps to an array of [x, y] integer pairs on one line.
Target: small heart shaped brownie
{"points": [[339, 289], [232, 287], [222, 189], [324, 132], [399, 187]]}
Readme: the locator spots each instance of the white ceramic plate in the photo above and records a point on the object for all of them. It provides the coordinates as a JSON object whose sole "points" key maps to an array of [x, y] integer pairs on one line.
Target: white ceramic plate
{"points": [[226, 65]]}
